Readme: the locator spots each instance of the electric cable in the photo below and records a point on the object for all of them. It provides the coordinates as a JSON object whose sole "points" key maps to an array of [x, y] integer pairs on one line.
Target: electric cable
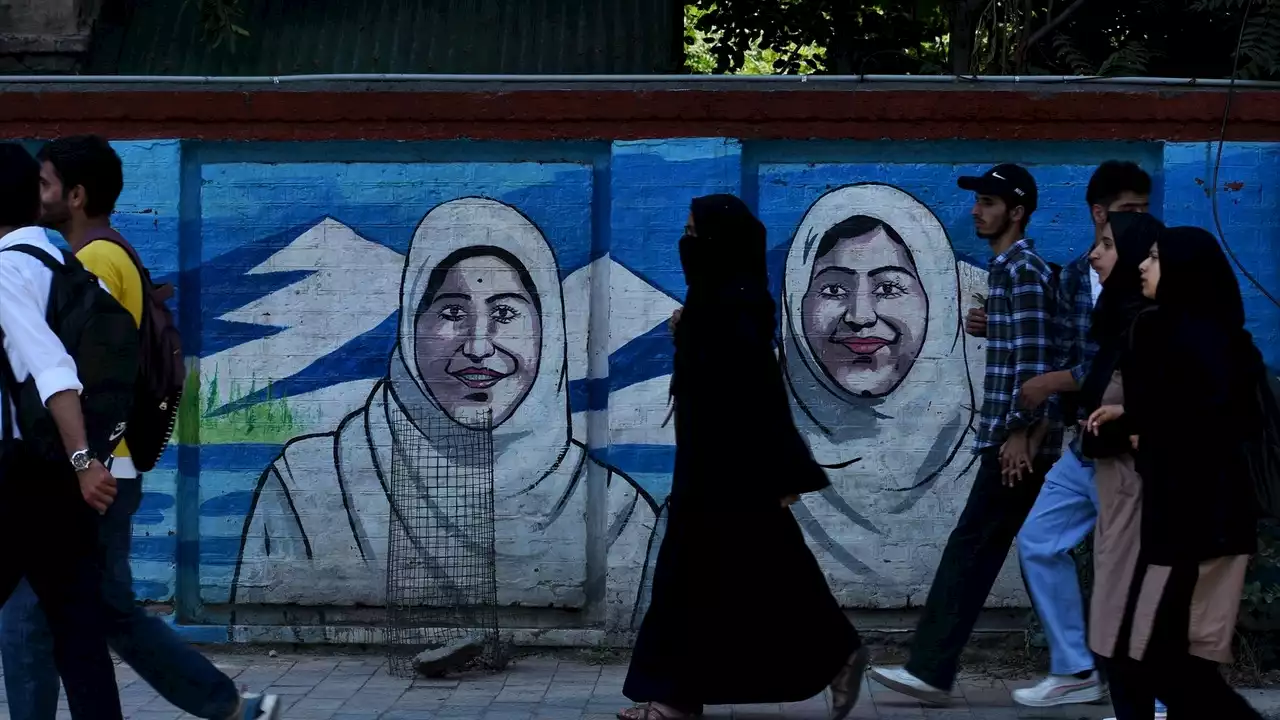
{"points": [[1217, 165]]}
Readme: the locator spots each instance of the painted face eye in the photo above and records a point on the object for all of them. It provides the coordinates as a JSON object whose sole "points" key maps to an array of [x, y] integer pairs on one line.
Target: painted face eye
{"points": [[504, 314], [833, 291], [452, 313], [889, 290]]}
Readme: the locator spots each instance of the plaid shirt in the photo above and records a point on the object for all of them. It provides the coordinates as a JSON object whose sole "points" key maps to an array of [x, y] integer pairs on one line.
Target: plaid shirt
{"points": [[1020, 346], [1075, 348]]}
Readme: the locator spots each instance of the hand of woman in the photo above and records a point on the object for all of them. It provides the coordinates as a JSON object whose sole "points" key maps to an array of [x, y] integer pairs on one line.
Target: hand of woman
{"points": [[1102, 416], [675, 320], [790, 500]]}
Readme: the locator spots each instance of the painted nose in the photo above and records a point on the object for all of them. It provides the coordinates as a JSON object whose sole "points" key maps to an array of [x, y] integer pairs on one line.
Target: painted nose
{"points": [[861, 312], [478, 344]]}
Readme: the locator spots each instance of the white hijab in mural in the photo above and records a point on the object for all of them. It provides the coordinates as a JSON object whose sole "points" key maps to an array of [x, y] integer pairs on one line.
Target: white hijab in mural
{"points": [[334, 490], [876, 362]]}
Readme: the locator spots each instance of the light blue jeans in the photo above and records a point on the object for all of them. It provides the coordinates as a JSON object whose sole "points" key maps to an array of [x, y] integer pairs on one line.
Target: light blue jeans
{"points": [[176, 670], [1063, 515]]}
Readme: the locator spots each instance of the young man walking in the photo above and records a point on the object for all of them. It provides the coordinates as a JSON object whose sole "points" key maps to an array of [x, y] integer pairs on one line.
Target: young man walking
{"points": [[48, 510], [1067, 508], [1015, 446], [80, 179]]}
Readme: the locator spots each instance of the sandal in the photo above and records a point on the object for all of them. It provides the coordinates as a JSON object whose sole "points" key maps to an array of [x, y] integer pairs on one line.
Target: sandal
{"points": [[847, 685], [653, 711]]}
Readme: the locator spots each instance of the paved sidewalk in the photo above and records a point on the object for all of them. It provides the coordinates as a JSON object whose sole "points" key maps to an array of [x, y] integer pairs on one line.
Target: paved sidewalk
{"points": [[355, 687]]}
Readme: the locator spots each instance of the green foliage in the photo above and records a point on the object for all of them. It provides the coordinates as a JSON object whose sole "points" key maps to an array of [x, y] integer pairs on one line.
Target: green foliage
{"points": [[220, 21], [270, 421], [803, 36], [1058, 37], [1259, 55], [756, 60]]}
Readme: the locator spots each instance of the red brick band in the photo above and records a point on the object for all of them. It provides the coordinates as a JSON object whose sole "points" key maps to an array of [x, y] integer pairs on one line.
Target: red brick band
{"points": [[862, 114]]}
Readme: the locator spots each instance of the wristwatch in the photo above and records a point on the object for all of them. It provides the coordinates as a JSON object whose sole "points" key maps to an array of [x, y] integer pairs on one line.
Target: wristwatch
{"points": [[80, 460]]}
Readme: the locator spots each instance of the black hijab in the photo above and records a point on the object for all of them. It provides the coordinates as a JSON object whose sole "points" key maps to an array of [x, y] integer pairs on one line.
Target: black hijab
{"points": [[1197, 283], [1121, 299]]}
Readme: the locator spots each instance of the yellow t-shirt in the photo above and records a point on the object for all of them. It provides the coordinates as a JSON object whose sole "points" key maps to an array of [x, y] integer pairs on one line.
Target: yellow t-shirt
{"points": [[113, 266]]}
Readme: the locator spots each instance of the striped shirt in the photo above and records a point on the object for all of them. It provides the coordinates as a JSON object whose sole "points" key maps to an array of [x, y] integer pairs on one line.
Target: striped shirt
{"points": [[1020, 345], [1076, 298]]}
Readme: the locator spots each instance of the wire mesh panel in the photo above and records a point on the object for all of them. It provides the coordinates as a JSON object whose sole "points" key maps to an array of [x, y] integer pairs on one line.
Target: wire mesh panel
{"points": [[441, 579]]}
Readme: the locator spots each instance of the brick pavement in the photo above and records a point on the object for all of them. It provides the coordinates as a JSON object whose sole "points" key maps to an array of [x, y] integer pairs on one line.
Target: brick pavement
{"points": [[356, 687]]}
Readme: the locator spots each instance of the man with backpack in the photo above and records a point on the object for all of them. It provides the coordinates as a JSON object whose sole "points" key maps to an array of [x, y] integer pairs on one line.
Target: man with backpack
{"points": [[48, 505], [80, 180]]}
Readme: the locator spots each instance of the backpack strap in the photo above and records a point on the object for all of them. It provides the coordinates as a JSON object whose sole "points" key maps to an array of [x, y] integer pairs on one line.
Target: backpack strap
{"points": [[45, 258], [8, 395], [148, 286]]}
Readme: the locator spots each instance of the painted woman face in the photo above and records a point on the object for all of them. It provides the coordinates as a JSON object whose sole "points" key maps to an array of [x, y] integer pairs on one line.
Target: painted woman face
{"points": [[865, 313], [479, 341]]}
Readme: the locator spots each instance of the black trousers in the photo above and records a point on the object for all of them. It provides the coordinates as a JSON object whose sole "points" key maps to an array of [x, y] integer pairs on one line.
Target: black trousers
{"points": [[1190, 686], [973, 557], [48, 534]]}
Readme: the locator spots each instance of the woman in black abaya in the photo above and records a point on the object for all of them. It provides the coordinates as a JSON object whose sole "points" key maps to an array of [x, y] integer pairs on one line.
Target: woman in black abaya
{"points": [[740, 612], [1190, 402]]}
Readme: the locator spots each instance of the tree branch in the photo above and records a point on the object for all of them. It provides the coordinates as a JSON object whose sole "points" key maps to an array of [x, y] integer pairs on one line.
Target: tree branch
{"points": [[1048, 27]]}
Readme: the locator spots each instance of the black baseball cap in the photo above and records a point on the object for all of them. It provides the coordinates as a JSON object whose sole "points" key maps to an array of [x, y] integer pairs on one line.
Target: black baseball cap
{"points": [[1010, 182]]}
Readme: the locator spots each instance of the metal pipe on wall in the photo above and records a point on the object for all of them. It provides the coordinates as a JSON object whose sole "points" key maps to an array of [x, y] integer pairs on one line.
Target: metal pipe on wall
{"points": [[646, 79]]}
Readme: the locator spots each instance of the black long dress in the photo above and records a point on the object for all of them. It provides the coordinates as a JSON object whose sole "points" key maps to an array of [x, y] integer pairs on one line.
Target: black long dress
{"points": [[741, 612]]}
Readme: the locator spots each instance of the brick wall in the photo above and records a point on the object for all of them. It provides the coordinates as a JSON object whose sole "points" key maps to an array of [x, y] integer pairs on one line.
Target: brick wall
{"points": [[299, 262]]}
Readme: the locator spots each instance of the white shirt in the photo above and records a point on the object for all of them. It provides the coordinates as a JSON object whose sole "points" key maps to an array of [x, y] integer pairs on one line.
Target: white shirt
{"points": [[1095, 284], [29, 342]]}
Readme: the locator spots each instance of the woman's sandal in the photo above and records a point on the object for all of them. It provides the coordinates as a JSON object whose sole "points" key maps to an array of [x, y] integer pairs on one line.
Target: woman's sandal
{"points": [[847, 685], [653, 711]]}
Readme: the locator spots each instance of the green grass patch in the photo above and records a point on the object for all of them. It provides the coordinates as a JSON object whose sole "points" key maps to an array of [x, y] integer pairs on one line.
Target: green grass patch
{"points": [[272, 421]]}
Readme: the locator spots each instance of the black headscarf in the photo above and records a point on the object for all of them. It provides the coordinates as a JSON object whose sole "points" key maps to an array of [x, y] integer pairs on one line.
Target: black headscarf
{"points": [[728, 251], [1121, 300], [735, 439], [725, 264], [1196, 280], [1121, 297]]}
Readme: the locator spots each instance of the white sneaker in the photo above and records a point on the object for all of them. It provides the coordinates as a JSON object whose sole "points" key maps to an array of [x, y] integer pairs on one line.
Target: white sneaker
{"points": [[1062, 690], [898, 679]]}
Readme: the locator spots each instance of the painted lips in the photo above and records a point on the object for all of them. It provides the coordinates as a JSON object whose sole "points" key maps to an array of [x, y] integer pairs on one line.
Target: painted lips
{"points": [[478, 378], [864, 346]]}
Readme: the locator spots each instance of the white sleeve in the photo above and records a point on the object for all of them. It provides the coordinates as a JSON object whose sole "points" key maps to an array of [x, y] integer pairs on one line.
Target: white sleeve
{"points": [[32, 342]]}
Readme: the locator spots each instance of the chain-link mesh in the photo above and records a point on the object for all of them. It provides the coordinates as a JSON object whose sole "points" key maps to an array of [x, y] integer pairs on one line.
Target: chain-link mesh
{"points": [[441, 582]]}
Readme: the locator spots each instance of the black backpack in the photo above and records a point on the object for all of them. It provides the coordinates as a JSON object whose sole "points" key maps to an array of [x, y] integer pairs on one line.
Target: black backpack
{"points": [[161, 369], [100, 335]]}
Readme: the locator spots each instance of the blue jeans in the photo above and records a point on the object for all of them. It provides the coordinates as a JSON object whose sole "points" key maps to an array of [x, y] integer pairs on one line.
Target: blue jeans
{"points": [[178, 672], [1063, 515]]}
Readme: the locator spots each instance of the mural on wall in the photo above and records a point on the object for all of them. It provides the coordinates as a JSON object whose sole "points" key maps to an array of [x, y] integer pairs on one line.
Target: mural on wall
{"points": [[481, 328], [877, 364], [882, 378], [413, 285]]}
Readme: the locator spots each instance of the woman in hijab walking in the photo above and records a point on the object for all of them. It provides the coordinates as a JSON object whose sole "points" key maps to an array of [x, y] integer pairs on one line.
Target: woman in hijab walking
{"points": [[1189, 376], [1124, 245], [741, 612]]}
